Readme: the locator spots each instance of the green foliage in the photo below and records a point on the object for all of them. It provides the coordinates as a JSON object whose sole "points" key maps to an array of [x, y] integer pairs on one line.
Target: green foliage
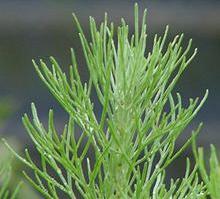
{"points": [[9, 187], [134, 140], [11, 182], [211, 180], [7, 106], [6, 190]]}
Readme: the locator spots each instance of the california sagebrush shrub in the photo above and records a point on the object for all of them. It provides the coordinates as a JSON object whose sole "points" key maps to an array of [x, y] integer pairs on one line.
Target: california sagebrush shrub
{"points": [[133, 141]]}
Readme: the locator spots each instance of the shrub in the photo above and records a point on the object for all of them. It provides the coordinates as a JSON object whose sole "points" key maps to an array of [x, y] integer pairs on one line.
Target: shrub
{"points": [[134, 139]]}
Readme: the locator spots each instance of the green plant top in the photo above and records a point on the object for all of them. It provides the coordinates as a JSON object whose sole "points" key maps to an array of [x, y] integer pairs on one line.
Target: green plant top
{"points": [[133, 141]]}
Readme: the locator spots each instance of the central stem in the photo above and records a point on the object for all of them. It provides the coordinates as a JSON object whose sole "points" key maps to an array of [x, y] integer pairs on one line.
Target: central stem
{"points": [[120, 165]]}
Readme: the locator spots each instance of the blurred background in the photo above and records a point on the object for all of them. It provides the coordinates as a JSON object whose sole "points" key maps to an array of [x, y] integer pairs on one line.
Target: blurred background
{"points": [[38, 29]]}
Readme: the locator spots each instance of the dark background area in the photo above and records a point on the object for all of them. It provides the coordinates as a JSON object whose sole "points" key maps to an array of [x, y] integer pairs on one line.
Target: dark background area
{"points": [[38, 29]]}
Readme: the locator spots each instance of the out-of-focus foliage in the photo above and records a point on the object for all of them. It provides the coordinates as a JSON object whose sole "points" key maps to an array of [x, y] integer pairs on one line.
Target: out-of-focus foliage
{"points": [[9, 186], [212, 178], [7, 106]]}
